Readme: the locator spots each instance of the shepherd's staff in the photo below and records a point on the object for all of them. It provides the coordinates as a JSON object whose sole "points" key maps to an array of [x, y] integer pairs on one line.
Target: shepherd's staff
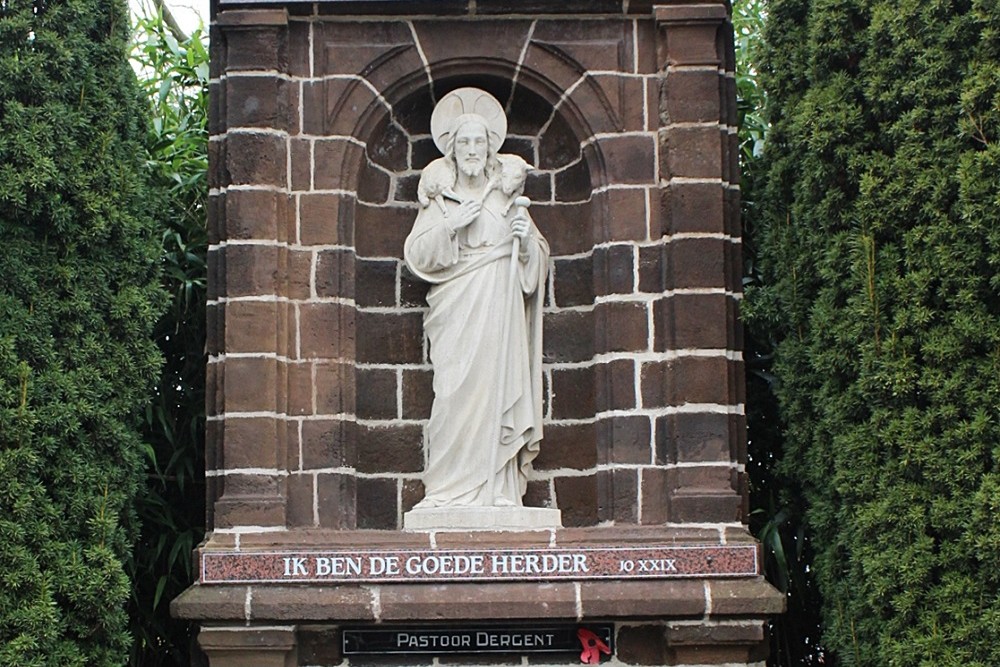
{"points": [[513, 288]]}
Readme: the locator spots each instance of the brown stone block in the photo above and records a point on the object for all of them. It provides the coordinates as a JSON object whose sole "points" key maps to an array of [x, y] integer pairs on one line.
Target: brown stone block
{"points": [[336, 494], [326, 331], [694, 321], [250, 385], [574, 281], [381, 230], [256, 48], [376, 504], [688, 380], [625, 483], [567, 227], [577, 498], [696, 479], [300, 499], [574, 183], [624, 440], [376, 282], [336, 162], [457, 40], [218, 603], [412, 290], [573, 393], [568, 336], [216, 213], [693, 207], [389, 148], [473, 601], [629, 158], [215, 328], [571, 446], [215, 384], [614, 269], [706, 507], [321, 219], [319, 645], [655, 497], [313, 108], [621, 327], [643, 599], [651, 269], [254, 214], [537, 494], [642, 645], [299, 44], [692, 152], [691, 42], [691, 96], [255, 158], [326, 443], [698, 437], [298, 278], [374, 184], [335, 388], [625, 216], [384, 449], [301, 174], [250, 270], [335, 273], [698, 262], [376, 393], [412, 493], [314, 602], [616, 385], [256, 501], [345, 101], [558, 146], [250, 443], [216, 108], [418, 394], [250, 326], [745, 597], [218, 165], [353, 48], [390, 338], [256, 101]]}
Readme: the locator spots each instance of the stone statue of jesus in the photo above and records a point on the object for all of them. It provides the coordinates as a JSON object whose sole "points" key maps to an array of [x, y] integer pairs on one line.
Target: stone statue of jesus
{"points": [[487, 263]]}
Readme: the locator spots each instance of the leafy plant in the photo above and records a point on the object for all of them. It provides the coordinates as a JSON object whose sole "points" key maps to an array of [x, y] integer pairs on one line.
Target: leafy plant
{"points": [[174, 77], [78, 300], [879, 244]]}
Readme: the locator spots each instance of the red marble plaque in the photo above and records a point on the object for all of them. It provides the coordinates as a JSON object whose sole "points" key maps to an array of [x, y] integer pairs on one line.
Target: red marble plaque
{"points": [[539, 564]]}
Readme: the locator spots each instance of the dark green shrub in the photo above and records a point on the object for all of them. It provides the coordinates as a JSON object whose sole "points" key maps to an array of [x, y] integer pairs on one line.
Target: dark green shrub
{"points": [[880, 257], [78, 299]]}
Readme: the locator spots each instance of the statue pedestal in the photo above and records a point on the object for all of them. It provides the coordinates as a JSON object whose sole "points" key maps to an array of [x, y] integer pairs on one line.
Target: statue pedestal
{"points": [[482, 518]]}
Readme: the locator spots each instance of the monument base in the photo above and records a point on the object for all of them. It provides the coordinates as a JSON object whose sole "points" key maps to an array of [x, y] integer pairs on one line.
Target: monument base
{"points": [[482, 518]]}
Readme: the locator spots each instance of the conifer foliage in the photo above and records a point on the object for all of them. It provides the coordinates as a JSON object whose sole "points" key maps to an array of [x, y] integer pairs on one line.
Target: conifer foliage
{"points": [[79, 295], [881, 278]]}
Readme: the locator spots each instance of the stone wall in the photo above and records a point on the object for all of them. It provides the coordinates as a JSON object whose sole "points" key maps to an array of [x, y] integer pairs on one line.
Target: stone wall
{"points": [[320, 127], [319, 381]]}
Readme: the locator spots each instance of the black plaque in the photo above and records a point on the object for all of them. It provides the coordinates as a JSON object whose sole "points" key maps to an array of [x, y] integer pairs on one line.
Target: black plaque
{"points": [[519, 639]]}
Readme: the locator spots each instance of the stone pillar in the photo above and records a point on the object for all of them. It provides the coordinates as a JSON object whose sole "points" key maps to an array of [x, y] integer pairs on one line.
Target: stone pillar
{"points": [[701, 440], [247, 262], [234, 646]]}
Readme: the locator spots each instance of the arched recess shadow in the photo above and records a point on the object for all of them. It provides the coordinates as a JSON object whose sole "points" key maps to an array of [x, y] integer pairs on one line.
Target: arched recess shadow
{"points": [[552, 131]]}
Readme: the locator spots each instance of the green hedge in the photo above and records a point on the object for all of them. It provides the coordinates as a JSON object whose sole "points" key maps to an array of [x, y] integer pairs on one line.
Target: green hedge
{"points": [[78, 298], [881, 270]]}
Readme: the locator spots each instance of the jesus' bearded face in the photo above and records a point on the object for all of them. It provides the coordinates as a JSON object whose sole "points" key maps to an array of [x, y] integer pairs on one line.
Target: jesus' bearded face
{"points": [[471, 148]]}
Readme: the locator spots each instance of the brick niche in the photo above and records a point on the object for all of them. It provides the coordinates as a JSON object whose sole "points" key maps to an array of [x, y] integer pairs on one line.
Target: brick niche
{"points": [[319, 383]]}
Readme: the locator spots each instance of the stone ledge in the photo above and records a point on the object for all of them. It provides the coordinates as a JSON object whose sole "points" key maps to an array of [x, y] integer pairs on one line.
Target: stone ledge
{"points": [[611, 600], [482, 518]]}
